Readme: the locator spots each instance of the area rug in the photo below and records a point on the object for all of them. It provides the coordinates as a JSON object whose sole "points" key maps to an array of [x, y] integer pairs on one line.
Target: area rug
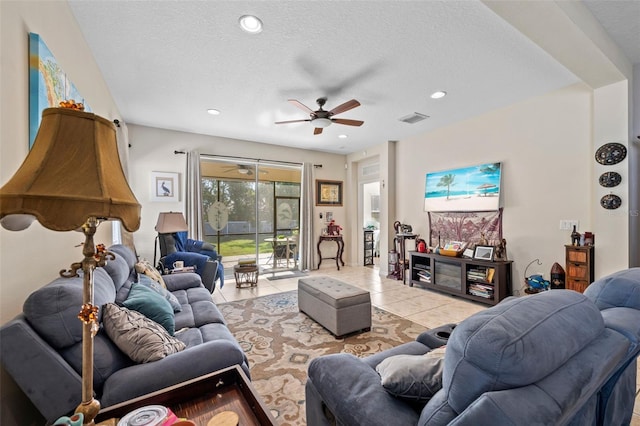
{"points": [[280, 342]]}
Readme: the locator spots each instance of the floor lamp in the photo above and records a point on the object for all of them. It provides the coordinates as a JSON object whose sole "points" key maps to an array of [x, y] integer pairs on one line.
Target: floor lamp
{"points": [[72, 179]]}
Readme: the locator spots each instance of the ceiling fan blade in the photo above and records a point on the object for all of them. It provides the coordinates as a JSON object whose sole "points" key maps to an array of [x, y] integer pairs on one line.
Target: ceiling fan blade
{"points": [[317, 130], [291, 121], [345, 107], [300, 105], [347, 122]]}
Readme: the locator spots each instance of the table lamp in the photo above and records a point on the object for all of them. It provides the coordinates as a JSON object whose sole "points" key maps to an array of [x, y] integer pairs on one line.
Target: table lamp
{"points": [[168, 223], [72, 179]]}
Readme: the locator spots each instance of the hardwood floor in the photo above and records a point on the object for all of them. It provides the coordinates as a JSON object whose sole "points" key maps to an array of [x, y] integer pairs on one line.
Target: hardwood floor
{"points": [[422, 306]]}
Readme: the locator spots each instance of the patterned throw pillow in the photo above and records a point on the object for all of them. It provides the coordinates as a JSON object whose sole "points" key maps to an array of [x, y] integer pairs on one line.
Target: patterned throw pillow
{"points": [[137, 336], [415, 377], [145, 267], [155, 286]]}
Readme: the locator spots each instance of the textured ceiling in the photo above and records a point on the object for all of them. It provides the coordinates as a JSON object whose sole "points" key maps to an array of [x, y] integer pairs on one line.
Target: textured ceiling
{"points": [[167, 62]]}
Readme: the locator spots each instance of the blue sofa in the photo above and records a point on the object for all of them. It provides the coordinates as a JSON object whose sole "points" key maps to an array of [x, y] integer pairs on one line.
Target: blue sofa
{"points": [[554, 358], [41, 348]]}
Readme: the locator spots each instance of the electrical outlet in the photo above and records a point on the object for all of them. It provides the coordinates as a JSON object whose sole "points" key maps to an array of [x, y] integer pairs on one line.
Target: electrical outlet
{"points": [[567, 224]]}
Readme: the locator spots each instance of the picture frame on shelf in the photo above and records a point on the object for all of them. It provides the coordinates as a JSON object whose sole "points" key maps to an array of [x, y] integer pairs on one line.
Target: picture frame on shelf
{"points": [[484, 253], [328, 192]]}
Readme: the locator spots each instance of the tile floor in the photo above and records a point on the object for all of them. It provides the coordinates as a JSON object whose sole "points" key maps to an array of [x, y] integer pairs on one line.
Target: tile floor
{"points": [[419, 305]]}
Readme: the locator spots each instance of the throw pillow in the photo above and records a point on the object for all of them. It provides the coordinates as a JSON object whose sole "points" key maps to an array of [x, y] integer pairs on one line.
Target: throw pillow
{"points": [[137, 336], [145, 267], [151, 305], [414, 377], [153, 285]]}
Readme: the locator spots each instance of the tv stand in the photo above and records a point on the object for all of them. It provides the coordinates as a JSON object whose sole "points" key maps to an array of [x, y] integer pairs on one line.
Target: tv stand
{"points": [[479, 280]]}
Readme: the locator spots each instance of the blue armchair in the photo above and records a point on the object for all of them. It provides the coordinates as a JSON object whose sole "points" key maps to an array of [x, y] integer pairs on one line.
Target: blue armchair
{"points": [[177, 247]]}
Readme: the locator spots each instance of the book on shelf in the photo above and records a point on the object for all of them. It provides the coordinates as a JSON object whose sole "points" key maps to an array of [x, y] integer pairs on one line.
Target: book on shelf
{"points": [[481, 274]]}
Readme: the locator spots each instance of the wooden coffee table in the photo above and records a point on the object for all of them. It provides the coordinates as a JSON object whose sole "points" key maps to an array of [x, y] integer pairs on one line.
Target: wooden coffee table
{"points": [[199, 400]]}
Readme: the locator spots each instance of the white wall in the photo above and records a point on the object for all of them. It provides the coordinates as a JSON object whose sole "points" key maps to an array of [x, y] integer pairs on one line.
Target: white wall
{"points": [[153, 149], [545, 145], [610, 124]]}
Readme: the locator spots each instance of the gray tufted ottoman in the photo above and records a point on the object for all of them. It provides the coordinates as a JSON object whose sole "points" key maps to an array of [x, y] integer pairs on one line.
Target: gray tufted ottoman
{"points": [[339, 307]]}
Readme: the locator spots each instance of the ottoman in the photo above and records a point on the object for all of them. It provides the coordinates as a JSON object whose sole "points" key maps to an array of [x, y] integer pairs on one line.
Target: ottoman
{"points": [[339, 307]]}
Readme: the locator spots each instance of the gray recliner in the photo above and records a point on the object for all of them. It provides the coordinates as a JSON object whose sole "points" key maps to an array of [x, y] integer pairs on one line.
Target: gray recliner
{"points": [[554, 358]]}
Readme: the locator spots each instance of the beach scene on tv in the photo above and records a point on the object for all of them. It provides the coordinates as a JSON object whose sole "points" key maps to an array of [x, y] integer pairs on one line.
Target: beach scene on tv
{"points": [[475, 188]]}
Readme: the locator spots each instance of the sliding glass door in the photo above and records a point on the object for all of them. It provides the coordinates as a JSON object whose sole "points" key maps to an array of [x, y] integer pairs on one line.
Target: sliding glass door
{"points": [[251, 209]]}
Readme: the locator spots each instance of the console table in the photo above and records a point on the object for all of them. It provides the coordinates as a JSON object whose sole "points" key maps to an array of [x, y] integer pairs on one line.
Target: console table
{"points": [[340, 250], [202, 398]]}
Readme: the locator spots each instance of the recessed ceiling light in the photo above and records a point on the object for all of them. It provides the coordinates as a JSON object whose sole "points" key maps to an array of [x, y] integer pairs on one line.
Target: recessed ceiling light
{"points": [[213, 111], [342, 136], [438, 95], [250, 24]]}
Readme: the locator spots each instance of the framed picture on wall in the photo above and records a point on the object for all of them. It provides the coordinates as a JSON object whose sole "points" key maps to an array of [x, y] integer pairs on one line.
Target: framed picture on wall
{"points": [[328, 217], [164, 187], [328, 192]]}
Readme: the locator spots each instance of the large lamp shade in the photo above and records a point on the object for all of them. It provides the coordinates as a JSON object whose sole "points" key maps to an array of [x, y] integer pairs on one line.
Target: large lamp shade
{"points": [[73, 172]]}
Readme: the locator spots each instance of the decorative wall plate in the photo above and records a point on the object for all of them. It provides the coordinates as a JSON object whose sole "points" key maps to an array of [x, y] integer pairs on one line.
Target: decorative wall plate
{"points": [[611, 153], [610, 202], [610, 179]]}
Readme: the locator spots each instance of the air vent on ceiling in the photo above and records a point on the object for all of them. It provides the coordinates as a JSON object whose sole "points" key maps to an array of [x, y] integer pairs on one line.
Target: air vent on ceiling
{"points": [[413, 118]]}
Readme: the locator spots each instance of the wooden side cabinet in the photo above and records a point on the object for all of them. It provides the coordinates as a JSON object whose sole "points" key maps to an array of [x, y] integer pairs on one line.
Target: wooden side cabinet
{"points": [[368, 247], [579, 267]]}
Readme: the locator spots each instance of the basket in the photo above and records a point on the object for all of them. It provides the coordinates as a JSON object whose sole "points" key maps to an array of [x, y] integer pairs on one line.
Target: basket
{"points": [[451, 253]]}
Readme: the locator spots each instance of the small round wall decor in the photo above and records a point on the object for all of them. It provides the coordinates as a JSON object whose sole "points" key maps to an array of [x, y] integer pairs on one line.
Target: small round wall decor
{"points": [[611, 153], [610, 179], [610, 202]]}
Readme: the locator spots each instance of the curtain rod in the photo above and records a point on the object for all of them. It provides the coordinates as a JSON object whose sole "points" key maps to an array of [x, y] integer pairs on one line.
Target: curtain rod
{"points": [[249, 158]]}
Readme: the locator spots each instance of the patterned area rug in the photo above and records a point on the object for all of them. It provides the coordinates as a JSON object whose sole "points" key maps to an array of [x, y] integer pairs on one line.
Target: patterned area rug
{"points": [[280, 342]]}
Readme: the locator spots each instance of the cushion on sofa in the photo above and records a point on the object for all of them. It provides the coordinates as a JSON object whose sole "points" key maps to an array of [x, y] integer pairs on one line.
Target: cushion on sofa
{"points": [[152, 305], [53, 309], [155, 286], [124, 251], [118, 270], [619, 289], [414, 377], [137, 336], [529, 337], [145, 267]]}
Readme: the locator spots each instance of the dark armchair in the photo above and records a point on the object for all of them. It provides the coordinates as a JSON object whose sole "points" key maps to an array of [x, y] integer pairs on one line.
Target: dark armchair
{"points": [[175, 246]]}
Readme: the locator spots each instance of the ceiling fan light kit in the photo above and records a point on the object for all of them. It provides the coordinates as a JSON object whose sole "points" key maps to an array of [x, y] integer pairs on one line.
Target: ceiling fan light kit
{"points": [[321, 118], [321, 122]]}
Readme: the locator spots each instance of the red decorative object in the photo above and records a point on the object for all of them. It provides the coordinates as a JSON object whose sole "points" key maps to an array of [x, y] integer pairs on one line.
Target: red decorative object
{"points": [[333, 228]]}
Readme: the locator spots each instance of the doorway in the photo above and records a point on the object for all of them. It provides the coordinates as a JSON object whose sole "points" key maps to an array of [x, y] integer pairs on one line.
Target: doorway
{"points": [[371, 218]]}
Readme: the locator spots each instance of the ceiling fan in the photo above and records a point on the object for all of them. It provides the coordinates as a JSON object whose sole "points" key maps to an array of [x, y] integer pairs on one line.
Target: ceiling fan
{"points": [[321, 118], [243, 169]]}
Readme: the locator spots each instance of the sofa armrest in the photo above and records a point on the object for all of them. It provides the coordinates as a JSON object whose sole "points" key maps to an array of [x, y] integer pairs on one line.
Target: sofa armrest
{"points": [[29, 360], [188, 364], [182, 281], [436, 337], [352, 392]]}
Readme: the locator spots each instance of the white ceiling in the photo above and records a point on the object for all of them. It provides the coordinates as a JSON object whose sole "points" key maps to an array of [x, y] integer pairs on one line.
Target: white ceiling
{"points": [[167, 62]]}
